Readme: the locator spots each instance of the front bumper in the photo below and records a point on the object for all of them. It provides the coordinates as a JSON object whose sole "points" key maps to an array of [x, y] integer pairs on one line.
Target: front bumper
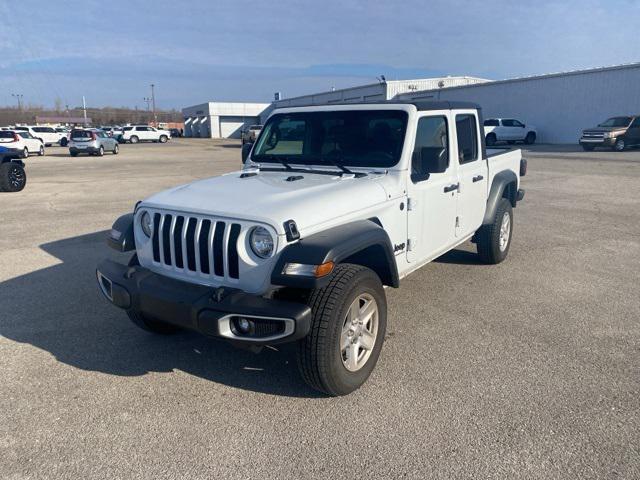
{"points": [[210, 311], [598, 142]]}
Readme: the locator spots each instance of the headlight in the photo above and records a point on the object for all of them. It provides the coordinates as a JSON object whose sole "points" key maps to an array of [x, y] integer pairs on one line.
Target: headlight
{"points": [[146, 224], [608, 134], [261, 242]]}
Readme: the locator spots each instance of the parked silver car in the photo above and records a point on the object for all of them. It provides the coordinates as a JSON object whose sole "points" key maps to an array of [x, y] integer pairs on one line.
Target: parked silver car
{"points": [[91, 142]]}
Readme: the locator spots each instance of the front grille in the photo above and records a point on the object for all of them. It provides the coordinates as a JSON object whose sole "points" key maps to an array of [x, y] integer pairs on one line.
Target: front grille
{"points": [[198, 245], [592, 134]]}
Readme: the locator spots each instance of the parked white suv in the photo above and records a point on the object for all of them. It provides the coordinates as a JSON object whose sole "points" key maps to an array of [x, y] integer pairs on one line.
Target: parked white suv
{"points": [[48, 135], [144, 133], [508, 130], [334, 203], [23, 141]]}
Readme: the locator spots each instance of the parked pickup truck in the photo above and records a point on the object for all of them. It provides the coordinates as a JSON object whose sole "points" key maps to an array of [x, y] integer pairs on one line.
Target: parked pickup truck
{"points": [[299, 245], [508, 130], [617, 133]]}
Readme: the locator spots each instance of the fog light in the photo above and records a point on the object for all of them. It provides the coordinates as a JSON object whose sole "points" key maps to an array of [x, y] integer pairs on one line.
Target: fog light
{"points": [[244, 325]]}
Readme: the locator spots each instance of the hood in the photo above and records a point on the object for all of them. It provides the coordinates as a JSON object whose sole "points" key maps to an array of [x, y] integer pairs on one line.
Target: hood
{"points": [[604, 129], [275, 197]]}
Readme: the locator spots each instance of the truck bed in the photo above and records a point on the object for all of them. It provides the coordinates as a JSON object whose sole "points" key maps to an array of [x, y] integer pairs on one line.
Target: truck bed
{"points": [[499, 159]]}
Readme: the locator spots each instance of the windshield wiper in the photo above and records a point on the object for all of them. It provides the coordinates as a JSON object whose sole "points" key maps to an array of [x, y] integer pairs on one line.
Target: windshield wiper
{"points": [[281, 159], [335, 160]]}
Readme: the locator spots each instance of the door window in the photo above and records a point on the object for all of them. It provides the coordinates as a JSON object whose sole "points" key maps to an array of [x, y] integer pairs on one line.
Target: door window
{"points": [[635, 123], [467, 138], [431, 147]]}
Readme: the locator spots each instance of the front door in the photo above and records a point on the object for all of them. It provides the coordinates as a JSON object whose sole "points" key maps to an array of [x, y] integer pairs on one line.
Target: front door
{"points": [[472, 174], [432, 196], [633, 133]]}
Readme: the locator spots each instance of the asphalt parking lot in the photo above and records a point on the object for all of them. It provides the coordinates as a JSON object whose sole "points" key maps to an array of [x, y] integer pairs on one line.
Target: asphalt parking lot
{"points": [[528, 369]]}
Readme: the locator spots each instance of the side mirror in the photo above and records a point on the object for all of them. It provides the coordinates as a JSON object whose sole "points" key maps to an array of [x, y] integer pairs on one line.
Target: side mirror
{"points": [[429, 160], [246, 150], [523, 125]]}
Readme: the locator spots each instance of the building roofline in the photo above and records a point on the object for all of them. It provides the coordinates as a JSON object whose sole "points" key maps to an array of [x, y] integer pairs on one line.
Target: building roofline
{"points": [[538, 77]]}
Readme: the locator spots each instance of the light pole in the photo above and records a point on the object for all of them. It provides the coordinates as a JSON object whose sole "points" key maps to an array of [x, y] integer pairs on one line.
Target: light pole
{"points": [[19, 98], [153, 102]]}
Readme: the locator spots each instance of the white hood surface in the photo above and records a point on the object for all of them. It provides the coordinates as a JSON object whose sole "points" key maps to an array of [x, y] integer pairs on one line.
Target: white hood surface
{"points": [[269, 198]]}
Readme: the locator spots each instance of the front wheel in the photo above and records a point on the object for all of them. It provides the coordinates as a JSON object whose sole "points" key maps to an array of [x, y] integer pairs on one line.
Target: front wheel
{"points": [[347, 331], [620, 145], [116, 149], [493, 240], [530, 138], [63, 142], [101, 151], [12, 177], [25, 152], [163, 139], [41, 151], [491, 139]]}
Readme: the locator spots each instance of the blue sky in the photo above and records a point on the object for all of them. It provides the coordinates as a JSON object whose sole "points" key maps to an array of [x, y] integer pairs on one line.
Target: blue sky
{"points": [[196, 51]]}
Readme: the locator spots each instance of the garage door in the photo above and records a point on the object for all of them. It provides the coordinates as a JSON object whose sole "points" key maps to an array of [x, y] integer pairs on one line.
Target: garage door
{"points": [[230, 127]]}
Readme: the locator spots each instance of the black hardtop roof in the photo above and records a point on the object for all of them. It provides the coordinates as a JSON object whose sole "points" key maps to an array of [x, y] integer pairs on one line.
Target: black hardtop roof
{"points": [[421, 105]]}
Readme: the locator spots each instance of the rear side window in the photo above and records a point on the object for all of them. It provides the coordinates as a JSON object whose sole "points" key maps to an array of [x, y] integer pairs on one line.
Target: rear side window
{"points": [[22, 128], [491, 123], [5, 134], [508, 123], [80, 134], [467, 138]]}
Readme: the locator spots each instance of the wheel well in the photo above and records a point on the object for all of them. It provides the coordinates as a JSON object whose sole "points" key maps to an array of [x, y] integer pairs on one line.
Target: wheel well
{"points": [[531, 132], [510, 193], [373, 257], [490, 134]]}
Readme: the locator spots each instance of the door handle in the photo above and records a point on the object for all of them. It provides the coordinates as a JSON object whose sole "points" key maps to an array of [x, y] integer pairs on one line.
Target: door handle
{"points": [[477, 178], [451, 188]]}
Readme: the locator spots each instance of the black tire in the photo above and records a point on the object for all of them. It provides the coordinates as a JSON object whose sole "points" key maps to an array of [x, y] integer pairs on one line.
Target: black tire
{"points": [[64, 142], [488, 236], [116, 149], [73, 154], [491, 139], [41, 151], [100, 151], [12, 177], [620, 145], [25, 152], [319, 354], [163, 139], [588, 148], [134, 139], [530, 139]]}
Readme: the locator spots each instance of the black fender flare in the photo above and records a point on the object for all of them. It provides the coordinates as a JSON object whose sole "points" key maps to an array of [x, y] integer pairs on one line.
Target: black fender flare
{"points": [[363, 242], [120, 237], [500, 182]]}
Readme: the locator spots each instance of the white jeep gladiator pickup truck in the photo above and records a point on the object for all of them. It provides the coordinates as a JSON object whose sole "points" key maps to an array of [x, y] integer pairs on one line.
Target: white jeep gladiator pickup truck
{"points": [[333, 204]]}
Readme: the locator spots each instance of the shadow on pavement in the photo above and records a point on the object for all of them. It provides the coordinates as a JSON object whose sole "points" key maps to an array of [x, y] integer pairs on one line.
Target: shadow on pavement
{"points": [[60, 310], [460, 257]]}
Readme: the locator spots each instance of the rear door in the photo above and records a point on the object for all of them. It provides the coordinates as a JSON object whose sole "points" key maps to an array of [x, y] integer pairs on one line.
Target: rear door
{"points": [[432, 196], [472, 174], [509, 131]]}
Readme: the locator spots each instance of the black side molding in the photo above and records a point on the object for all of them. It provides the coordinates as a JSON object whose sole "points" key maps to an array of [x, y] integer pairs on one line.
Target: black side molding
{"points": [[120, 237], [363, 242]]}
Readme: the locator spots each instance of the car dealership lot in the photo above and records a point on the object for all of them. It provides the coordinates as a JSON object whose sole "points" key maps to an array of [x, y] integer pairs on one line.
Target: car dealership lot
{"points": [[532, 373]]}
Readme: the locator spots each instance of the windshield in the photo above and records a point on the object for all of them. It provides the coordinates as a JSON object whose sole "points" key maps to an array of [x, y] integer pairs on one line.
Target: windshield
{"points": [[356, 138], [616, 122]]}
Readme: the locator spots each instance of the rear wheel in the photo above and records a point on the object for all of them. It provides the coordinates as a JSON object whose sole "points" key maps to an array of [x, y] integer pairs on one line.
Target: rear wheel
{"points": [[493, 240], [12, 177], [491, 139], [620, 145], [63, 142], [101, 151], [134, 139], [588, 148], [347, 331], [530, 138], [116, 149], [25, 152]]}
